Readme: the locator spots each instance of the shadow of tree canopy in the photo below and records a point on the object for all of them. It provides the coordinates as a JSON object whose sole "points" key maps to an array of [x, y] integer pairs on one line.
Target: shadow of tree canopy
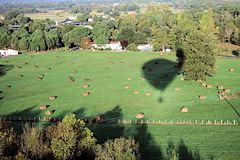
{"points": [[148, 148], [4, 69], [182, 151], [109, 127], [160, 72]]}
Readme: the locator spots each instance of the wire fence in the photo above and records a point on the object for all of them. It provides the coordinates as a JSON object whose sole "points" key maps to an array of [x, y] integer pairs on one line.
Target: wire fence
{"points": [[124, 121]]}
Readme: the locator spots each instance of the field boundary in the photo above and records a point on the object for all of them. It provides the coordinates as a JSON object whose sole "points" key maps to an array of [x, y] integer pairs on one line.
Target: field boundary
{"points": [[116, 121]]}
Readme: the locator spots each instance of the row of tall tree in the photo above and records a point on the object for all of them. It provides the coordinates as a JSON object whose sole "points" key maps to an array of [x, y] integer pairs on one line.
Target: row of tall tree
{"points": [[68, 139]]}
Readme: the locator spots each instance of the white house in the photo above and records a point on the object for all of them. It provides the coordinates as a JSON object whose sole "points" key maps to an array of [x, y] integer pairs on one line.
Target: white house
{"points": [[145, 47], [113, 45], [9, 52]]}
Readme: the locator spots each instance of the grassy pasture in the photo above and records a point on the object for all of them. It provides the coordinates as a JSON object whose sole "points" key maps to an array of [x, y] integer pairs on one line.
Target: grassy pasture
{"points": [[107, 75], [51, 15]]}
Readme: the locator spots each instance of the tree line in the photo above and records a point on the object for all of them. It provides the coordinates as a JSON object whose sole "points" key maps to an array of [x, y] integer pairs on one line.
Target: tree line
{"points": [[192, 33], [68, 139]]}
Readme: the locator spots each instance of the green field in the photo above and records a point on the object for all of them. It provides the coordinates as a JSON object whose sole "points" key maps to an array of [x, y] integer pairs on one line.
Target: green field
{"points": [[107, 75], [52, 16]]}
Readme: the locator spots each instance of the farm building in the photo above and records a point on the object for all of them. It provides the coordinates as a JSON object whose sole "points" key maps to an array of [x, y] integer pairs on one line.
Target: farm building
{"points": [[113, 45], [9, 52]]}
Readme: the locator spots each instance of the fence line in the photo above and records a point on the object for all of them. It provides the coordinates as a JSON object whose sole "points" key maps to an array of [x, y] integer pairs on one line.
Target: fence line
{"points": [[117, 121]]}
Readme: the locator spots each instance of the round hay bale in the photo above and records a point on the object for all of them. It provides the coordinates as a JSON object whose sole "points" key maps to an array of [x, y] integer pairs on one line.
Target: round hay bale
{"points": [[42, 107], [184, 110], [136, 92], [143, 78], [127, 87], [85, 86], [221, 93], [231, 70], [51, 98], [39, 78], [203, 84], [148, 94], [177, 89], [98, 118], [209, 86], [140, 116], [48, 113], [182, 78], [227, 90], [129, 78], [220, 87], [85, 93], [202, 97]]}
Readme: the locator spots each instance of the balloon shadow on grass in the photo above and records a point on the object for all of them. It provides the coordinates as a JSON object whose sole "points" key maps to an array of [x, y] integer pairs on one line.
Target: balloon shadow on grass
{"points": [[160, 72]]}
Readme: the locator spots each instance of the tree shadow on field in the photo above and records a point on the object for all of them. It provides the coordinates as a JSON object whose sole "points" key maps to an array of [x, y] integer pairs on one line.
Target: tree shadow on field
{"points": [[109, 128], [4, 69], [148, 148], [182, 151], [20, 118], [160, 72]]}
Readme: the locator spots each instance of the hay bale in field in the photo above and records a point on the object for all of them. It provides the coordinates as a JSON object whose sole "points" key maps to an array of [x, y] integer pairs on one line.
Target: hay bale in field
{"points": [[202, 97], [48, 113], [143, 78], [140, 116], [39, 78], [220, 87], [136, 92], [42, 107], [8, 86], [204, 84], [52, 98], [127, 87], [184, 110], [85, 86], [209, 86], [148, 94], [20, 75], [85, 93], [182, 78], [177, 89], [221, 93], [98, 119], [231, 70], [227, 90], [129, 78]]}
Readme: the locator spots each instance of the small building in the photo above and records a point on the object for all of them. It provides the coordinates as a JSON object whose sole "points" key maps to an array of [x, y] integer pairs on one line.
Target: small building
{"points": [[145, 47], [8, 52], [113, 45]]}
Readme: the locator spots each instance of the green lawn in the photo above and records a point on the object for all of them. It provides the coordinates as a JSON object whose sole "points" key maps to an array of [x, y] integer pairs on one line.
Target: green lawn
{"points": [[107, 74]]}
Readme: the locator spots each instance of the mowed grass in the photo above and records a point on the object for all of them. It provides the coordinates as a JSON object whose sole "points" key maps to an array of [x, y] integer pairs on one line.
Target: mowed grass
{"points": [[52, 16], [107, 74]]}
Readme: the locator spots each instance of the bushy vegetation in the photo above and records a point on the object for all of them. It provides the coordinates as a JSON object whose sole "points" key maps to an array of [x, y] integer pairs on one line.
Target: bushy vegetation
{"points": [[69, 139]]}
